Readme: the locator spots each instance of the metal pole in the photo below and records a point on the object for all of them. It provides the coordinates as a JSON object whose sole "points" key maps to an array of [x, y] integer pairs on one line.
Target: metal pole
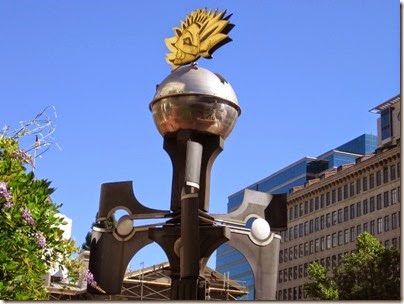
{"points": [[190, 250]]}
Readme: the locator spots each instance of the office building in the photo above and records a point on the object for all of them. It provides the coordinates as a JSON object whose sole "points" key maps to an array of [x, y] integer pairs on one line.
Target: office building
{"points": [[324, 195]]}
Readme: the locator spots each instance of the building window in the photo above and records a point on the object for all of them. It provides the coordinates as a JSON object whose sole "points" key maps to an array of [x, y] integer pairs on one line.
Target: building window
{"points": [[305, 268], [339, 216], [296, 211], [379, 201], [352, 189], [334, 218], [311, 247], [334, 240], [345, 191], [378, 178], [296, 231], [316, 203], [365, 206], [311, 226], [358, 229], [301, 210], [393, 172], [306, 228], [333, 196], [372, 204], [387, 244], [300, 271], [328, 198], [295, 272], [290, 213], [387, 223], [322, 201], [371, 181], [301, 252], [365, 227], [379, 225], [316, 224], [290, 254], [352, 211], [285, 255], [316, 245], [346, 236], [296, 252], [394, 196], [291, 233], [365, 183], [340, 238], [311, 205], [306, 207], [328, 220], [328, 241], [352, 234], [358, 209], [385, 123], [386, 199], [322, 243], [328, 263], [301, 230], [385, 175], [394, 242], [398, 169], [333, 261], [372, 227], [358, 186], [290, 274], [280, 278], [339, 193], [394, 221], [322, 222], [346, 214]]}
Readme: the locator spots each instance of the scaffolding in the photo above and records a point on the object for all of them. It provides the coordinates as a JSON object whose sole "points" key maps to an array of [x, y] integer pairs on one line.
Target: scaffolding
{"points": [[151, 283]]}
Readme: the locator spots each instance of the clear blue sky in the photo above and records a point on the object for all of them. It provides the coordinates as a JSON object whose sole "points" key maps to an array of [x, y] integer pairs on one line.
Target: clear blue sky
{"points": [[306, 73]]}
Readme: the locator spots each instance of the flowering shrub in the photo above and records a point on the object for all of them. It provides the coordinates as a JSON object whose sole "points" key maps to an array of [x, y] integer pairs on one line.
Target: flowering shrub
{"points": [[30, 238]]}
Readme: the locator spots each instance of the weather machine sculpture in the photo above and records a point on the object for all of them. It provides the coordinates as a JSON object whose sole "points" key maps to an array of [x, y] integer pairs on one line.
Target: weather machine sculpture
{"points": [[194, 110]]}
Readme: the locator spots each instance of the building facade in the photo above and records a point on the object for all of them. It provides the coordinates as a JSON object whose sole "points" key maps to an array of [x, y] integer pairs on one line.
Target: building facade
{"points": [[326, 215], [332, 209]]}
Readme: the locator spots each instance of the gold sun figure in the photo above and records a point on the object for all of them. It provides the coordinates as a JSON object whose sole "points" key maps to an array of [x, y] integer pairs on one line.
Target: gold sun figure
{"points": [[200, 34]]}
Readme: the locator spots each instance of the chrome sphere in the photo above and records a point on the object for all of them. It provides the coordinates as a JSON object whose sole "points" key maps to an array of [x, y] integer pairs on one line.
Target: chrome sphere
{"points": [[194, 98]]}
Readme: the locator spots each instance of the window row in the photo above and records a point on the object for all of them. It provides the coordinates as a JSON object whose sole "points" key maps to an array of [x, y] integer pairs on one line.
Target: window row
{"points": [[295, 293], [381, 224], [330, 262], [363, 184], [382, 200]]}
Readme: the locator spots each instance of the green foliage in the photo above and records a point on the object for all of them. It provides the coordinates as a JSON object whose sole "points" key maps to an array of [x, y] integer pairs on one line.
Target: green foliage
{"points": [[371, 272], [30, 238], [323, 288]]}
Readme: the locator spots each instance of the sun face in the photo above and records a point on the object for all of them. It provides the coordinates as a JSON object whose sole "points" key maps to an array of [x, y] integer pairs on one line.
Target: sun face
{"points": [[200, 34]]}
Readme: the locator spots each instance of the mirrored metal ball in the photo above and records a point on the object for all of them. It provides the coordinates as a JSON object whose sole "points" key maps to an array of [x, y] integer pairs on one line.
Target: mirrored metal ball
{"points": [[193, 98]]}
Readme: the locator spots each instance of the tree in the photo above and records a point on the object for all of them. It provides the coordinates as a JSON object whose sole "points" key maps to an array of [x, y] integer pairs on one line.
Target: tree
{"points": [[31, 239], [371, 272]]}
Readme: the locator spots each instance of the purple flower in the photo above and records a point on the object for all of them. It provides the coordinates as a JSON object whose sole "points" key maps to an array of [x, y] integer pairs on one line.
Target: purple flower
{"points": [[90, 279], [8, 204], [40, 239], [27, 216], [88, 276], [4, 192]]}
